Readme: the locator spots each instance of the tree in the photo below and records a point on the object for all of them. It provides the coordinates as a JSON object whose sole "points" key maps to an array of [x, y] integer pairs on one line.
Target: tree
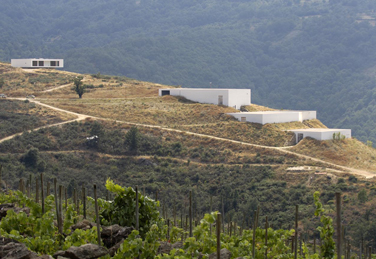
{"points": [[132, 139], [31, 157], [362, 196], [2, 82], [78, 86]]}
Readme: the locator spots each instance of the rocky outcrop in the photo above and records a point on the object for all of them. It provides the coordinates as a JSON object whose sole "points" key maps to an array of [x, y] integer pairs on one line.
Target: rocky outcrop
{"points": [[11, 249], [10, 206], [88, 251], [225, 254], [84, 225], [112, 235]]}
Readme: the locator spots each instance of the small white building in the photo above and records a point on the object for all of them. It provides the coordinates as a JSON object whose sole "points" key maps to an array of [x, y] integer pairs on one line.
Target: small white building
{"points": [[320, 134], [264, 117], [228, 97], [37, 63]]}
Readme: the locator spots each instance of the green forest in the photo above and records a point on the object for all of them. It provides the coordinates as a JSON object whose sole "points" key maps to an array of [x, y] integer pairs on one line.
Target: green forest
{"points": [[317, 55]]}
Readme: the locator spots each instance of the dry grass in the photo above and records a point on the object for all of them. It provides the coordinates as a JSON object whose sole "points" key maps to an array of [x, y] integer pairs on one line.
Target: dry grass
{"points": [[348, 152]]}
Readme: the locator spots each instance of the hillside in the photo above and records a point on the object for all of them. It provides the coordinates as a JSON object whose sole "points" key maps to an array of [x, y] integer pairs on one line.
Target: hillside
{"points": [[182, 146], [292, 54]]}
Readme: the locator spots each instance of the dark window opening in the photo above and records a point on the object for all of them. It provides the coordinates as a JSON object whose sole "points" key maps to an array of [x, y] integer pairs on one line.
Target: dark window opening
{"points": [[57, 63], [35, 63], [53, 63], [300, 137], [41, 63], [165, 92]]}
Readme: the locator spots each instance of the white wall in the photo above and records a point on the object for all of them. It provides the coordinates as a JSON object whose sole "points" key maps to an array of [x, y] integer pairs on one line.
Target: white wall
{"points": [[307, 115], [280, 117], [28, 63], [321, 134], [239, 97], [20, 62], [275, 116], [231, 97]]}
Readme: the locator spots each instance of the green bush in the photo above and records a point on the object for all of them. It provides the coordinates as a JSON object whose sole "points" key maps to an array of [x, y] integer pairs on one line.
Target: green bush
{"points": [[122, 210]]}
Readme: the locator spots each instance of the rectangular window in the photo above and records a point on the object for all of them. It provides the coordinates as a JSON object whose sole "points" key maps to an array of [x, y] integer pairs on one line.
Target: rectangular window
{"points": [[220, 99], [53, 63], [35, 63], [165, 92], [41, 63], [58, 63]]}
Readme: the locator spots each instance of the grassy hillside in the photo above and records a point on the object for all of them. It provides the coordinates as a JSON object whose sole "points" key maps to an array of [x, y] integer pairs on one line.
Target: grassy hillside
{"points": [[170, 159], [293, 54]]}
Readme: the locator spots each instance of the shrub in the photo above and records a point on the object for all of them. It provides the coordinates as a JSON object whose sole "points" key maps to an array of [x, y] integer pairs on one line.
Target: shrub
{"points": [[122, 210]]}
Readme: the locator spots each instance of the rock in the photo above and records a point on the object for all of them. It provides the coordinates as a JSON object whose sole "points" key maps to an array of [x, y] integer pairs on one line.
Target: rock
{"points": [[164, 248], [225, 254], [114, 234], [114, 249], [85, 224], [10, 206], [11, 249], [146, 162], [88, 251], [177, 245]]}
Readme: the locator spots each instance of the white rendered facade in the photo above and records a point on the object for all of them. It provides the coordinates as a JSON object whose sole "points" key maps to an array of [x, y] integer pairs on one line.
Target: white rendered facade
{"points": [[264, 117], [228, 97], [37, 63], [320, 134]]}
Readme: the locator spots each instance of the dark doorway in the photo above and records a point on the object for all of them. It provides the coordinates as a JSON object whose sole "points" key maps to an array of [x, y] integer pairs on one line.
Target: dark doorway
{"points": [[165, 92], [300, 137]]}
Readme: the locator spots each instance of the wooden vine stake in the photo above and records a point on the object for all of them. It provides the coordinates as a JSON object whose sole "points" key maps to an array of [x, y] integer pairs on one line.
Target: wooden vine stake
{"points": [[223, 216], [137, 216], [60, 210], [266, 237], [1, 178], [296, 232], [174, 215], [338, 219], [190, 214], [218, 235], [314, 245], [254, 234], [36, 190], [42, 191], [97, 215], [66, 198], [48, 192], [84, 201], [57, 206], [211, 205]]}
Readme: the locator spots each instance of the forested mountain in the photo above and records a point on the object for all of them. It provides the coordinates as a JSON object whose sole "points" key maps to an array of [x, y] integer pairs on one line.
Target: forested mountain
{"points": [[293, 54]]}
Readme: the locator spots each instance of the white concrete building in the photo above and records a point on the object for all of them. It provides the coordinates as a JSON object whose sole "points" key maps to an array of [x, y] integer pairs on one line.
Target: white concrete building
{"points": [[37, 63], [229, 97], [320, 134], [264, 117]]}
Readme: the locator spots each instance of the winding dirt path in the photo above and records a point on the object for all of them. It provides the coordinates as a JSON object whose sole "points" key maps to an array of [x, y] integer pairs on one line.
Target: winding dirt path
{"points": [[283, 150]]}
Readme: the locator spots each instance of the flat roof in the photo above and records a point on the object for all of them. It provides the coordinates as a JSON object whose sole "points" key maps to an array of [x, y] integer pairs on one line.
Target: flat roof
{"points": [[37, 59], [268, 112], [317, 130], [205, 89]]}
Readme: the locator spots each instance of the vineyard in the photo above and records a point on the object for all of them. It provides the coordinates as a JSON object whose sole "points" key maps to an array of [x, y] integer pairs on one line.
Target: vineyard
{"points": [[53, 224]]}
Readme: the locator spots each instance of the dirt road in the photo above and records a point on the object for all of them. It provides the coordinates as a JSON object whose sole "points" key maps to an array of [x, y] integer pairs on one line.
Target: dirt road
{"points": [[282, 150]]}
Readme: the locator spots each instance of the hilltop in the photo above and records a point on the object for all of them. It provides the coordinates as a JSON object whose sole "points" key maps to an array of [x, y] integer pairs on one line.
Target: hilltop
{"points": [[294, 54], [182, 146]]}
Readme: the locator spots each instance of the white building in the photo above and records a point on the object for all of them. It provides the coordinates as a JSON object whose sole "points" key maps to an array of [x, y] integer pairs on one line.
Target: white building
{"points": [[320, 134], [229, 97], [37, 63], [264, 117]]}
